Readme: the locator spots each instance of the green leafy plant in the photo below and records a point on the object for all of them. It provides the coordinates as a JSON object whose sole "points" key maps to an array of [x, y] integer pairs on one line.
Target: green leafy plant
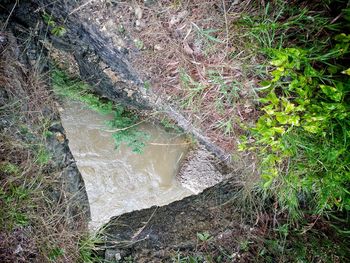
{"points": [[204, 237], [124, 125], [302, 137], [207, 34], [42, 155], [57, 30]]}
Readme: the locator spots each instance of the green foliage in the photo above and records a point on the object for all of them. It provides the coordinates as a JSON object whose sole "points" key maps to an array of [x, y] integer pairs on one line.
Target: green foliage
{"points": [[57, 30], [204, 237], [303, 136], [194, 88], [87, 246], [227, 91], [244, 245], [311, 247], [42, 155], [79, 91], [12, 199], [55, 253], [124, 122], [207, 34], [9, 168], [279, 24], [170, 126]]}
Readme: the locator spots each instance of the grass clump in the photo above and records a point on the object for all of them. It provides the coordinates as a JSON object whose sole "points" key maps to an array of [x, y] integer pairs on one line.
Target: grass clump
{"points": [[37, 221], [124, 123], [302, 135]]}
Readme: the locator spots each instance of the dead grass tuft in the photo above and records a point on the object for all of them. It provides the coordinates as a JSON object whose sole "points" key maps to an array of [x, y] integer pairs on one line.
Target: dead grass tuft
{"points": [[192, 55], [35, 224]]}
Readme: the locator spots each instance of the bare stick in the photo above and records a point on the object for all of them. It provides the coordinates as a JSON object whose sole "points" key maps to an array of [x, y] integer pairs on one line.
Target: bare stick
{"points": [[226, 25], [80, 7], [168, 144], [8, 18]]}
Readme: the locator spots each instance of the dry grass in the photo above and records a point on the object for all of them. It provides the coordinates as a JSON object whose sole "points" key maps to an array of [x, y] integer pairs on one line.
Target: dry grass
{"points": [[35, 222], [192, 55]]}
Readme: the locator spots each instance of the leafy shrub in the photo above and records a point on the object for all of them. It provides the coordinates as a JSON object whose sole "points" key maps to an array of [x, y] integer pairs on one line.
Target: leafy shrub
{"points": [[303, 134]]}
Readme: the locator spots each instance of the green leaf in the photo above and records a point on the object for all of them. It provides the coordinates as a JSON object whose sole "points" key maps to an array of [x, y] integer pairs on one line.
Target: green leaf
{"points": [[332, 92], [342, 38], [280, 61], [205, 236], [288, 106], [269, 109], [279, 130], [282, 118], [309, 71], [346, 72], [265, 83], [277, 74], [313, 128], [59, 31], [273, 98]]}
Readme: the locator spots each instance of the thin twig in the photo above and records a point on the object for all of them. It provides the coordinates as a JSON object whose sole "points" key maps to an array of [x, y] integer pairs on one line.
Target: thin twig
{"points": [[8, 18], [226, 25], [131, 126], [80, 7], [138, 232], [167, 144], [126, 128]]}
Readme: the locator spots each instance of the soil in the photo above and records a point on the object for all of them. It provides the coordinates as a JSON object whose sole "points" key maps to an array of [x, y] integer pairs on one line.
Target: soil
{"points": [[159, 234]]}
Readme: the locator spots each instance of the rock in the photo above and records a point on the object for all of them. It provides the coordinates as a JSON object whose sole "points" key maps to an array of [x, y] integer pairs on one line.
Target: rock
{"points": [[158, 47], [60, 137], [138, 12], [178, 17], [201, 170], [113, 255]]}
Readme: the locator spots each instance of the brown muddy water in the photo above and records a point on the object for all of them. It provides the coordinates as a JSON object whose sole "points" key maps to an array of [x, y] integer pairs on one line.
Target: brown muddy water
{"points": [[120, 181]]}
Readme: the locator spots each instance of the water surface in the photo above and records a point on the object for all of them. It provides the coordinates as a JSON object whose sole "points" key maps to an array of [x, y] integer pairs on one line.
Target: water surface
{"points": [[120, 181]]}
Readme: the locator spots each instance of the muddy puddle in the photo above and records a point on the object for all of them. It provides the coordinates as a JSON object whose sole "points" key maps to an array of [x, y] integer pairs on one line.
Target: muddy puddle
{"points": [[120, 181]]}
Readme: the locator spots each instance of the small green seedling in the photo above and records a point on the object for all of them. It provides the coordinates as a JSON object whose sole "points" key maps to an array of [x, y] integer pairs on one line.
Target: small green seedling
{"points": [[204, 237]]}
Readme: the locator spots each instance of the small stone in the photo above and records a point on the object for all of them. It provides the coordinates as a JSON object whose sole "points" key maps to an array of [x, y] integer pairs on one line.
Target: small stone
{"points": [[138, 12], [177, 18], [60, 137], [3, 40], [18, 250], [118, 257], [130, 93], [158, 47], [112, 255]]}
